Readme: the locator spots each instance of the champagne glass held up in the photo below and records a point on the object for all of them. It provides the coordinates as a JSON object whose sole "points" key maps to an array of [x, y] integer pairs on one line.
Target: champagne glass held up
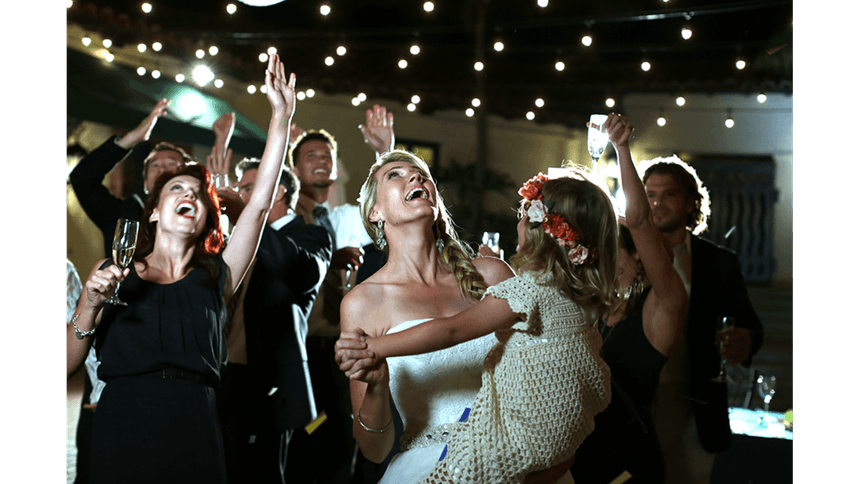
{"points": [[597, 137], [724, 324], [124, 243]]}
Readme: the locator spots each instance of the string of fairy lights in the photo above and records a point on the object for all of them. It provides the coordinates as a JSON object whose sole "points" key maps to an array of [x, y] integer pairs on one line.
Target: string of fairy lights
{"points": [[202, 75]]}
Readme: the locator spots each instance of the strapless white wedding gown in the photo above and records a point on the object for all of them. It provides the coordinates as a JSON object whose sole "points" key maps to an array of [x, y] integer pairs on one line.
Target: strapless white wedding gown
{"points": [[431, 391]]}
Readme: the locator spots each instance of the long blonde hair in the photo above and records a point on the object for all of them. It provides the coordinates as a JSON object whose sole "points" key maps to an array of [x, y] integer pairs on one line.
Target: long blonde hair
{"points": [[455, 254], [587, 208]]}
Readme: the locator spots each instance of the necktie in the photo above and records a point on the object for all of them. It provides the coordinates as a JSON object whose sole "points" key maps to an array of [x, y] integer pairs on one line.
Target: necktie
{"points": [[320, 213], [330, 291]]}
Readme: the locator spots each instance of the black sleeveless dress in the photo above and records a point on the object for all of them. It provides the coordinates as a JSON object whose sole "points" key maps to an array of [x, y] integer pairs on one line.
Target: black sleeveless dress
{"points": [[160, 356], [624, 437]]}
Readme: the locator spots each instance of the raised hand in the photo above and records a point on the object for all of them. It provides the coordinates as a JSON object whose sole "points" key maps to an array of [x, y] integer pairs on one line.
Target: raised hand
{"points": [[144, 130], [618, 129], [102, 283], [223, 129], [379, 130], [280, 91]]}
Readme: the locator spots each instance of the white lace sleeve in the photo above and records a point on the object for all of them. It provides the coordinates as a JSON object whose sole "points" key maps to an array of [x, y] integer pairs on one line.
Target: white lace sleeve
{"points": [[519, 292]]}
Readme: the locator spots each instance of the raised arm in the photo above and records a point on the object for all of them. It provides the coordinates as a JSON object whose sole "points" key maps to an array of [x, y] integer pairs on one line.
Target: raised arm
{"points": [[666, 284], [218, 161], [246, 236], [378, 131]]}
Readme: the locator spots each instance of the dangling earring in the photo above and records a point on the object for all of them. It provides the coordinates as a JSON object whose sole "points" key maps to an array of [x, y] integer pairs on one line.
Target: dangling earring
{"points": [[437, 232], [380, 235]]}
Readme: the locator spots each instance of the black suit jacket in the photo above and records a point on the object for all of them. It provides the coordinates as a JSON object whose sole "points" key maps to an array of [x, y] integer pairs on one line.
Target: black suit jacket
{"points": [[98, 203], [285, 280], [717, 290]]}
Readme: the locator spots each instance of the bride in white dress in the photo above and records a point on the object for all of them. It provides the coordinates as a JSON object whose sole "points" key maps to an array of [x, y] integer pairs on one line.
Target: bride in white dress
{"points": [[429, 274]]}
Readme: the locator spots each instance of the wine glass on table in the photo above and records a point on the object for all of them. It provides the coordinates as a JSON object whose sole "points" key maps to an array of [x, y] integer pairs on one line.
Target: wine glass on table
{"points": [[724, 324], [766, 385], [124, 243], [597, 137]]}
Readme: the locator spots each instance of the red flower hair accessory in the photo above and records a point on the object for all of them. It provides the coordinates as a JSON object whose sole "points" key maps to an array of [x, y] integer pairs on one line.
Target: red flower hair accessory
{"points": [[538, 211]]}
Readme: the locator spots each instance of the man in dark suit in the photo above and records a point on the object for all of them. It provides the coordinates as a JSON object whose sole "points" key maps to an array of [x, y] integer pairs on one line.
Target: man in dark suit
{"points": [[265, 392], [690, 410], [103, 208]]}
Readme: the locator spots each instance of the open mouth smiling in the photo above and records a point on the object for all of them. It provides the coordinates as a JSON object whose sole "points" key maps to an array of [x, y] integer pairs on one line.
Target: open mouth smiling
{"points": [[417, 193], [186, 209]]}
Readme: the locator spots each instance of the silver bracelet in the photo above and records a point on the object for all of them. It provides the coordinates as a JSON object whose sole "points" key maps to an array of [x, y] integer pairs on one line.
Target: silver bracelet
{"points": [[221, 183], [375, 431], [78, 333]]}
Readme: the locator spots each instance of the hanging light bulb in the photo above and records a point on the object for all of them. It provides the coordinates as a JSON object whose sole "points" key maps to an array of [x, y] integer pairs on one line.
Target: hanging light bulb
{"points": [[530, 115], [310, 92], [587, 40], [272, 50], [141, 48], [141, 71], [610, 102], [416, 99], [476, 102], [402, 63], [680, 101], [180, 78], [156, 46], [740, 64], [542, 3], [252, 89], [300, 95], [686, 33], [107, 43], [325, 10], [539, 102], [499, 46], [661, 120], [646, 66], [479, 66], [428, 6], [470, 112], [218, 83], [341, 50], [411, 107], [202, 75], [559, 66], [362, 97], [355, 101], [762, 97], [415, 49], [264, 57], [146, 7], [329, 61], [729, 121], [86, 41], [156, 74], [231, 8], [200, 53], [213, 50]]}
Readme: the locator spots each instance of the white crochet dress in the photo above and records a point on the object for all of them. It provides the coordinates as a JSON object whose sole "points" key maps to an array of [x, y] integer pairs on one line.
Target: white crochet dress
{"points": [[542, 385]]}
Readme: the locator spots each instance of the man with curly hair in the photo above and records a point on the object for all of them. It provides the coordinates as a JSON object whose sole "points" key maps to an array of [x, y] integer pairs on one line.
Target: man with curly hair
{"points": [[690, 410]]}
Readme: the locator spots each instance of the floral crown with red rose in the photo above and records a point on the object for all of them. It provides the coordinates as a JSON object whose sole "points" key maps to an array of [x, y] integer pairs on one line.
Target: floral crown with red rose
{"points": [[539, 212]]}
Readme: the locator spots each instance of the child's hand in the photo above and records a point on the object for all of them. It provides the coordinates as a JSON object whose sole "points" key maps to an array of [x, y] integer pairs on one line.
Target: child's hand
{"points": [[618, 129]]}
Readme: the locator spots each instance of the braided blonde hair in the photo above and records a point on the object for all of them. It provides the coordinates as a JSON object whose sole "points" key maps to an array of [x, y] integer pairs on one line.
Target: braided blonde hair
{"points": [[455, 254]]}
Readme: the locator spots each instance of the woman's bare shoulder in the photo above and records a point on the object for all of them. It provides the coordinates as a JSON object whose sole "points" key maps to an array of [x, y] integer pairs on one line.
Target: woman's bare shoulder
{"points": [[493, 270], [363, 304]]}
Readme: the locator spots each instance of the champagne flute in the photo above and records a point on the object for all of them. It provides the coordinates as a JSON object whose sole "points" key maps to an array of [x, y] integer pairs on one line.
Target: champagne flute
{"points": [[597, 138], [124, 243], [352, 240], [724, 324], [491, 240]]}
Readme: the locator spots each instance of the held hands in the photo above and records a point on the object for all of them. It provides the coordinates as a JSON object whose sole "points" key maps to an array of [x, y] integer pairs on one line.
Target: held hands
{"points": [[143, 131], [102, 283], [618, 129], [280, 91], [357, 360], [737, 344], [379, 130]]}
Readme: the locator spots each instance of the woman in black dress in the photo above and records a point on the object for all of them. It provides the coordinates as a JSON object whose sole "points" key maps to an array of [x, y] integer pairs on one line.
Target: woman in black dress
{"points": [[160, 355], [637, 338]]}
